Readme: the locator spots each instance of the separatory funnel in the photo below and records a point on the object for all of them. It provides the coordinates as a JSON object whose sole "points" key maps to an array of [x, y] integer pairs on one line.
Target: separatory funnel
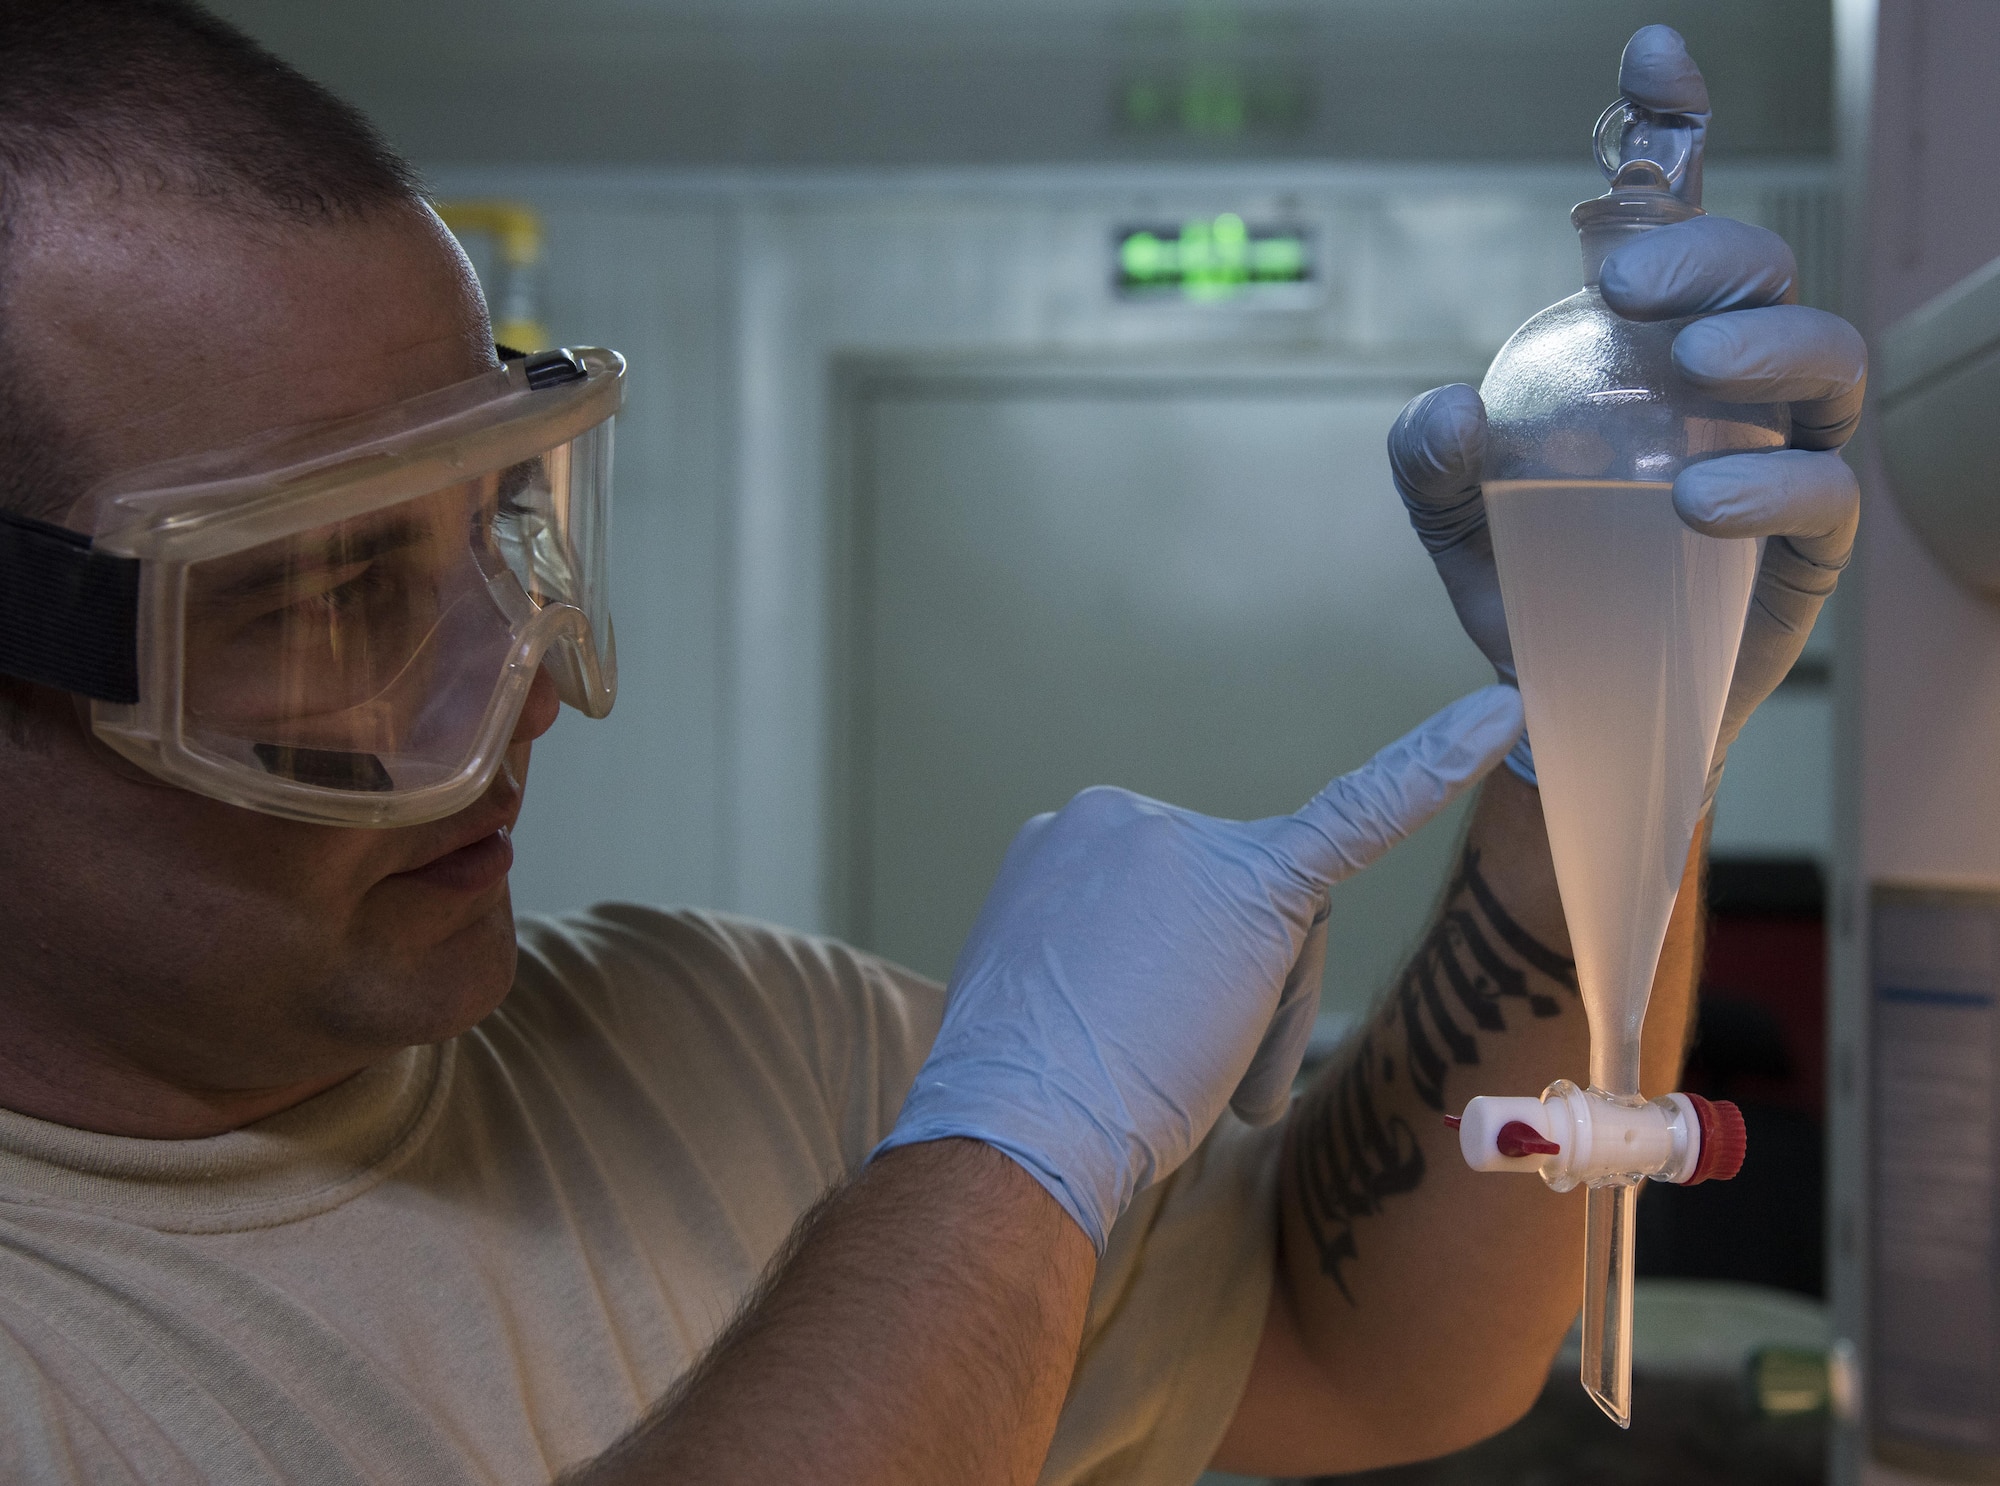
{"points": [[1625, 625]]}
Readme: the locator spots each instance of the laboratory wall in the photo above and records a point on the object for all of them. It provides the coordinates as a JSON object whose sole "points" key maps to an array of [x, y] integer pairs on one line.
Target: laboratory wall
{"points": [[1915, 1200], [752, 306], [929, 82]]}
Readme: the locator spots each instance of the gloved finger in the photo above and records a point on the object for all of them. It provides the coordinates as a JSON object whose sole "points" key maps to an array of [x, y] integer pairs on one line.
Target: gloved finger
{"points": [[1657, 72], [1698, 267], [1783, 353], [1793, 585], [1014, 867], [1791, 589], [1810, 497], [1264, 1092], [1351, 822], [1024, 842], [1436, 448]]}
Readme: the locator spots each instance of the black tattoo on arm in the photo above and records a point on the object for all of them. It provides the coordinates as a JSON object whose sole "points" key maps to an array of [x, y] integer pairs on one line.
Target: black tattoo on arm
{"points": [[1474, 963]]}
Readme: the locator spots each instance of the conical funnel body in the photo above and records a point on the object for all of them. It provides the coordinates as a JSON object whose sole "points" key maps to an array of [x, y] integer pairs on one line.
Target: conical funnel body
{"points": [[1625, 625]]}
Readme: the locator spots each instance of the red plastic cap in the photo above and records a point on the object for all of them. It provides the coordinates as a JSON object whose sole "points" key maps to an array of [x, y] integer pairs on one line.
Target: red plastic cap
{"points": [[1723, 1140], [1452, 1122], [1518, 1138]]}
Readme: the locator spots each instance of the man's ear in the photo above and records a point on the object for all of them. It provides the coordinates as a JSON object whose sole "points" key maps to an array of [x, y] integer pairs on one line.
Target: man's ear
{"points": [[21, 721], [37, 719]]}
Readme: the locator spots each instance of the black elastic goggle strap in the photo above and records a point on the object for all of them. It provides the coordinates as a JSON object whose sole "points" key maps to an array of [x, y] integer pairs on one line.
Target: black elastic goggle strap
{"points": [[69, 616]]}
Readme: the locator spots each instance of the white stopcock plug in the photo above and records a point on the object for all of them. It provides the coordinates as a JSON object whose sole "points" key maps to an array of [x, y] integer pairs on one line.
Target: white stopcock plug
{"points": [[1571, 1136]]}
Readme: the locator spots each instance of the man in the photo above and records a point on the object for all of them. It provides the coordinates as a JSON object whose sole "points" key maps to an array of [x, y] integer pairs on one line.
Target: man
{"points": [[308, 1171]]}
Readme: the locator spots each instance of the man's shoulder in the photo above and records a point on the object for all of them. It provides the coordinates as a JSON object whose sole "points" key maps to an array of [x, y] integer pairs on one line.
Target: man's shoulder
{"points": [[698, 949], [690, 973], [731, 1021], [640, 937]]}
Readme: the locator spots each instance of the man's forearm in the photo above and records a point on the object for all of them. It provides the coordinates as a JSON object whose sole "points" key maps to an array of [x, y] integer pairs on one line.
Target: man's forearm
{"points": [[1430, 1295], [922, 1328]]}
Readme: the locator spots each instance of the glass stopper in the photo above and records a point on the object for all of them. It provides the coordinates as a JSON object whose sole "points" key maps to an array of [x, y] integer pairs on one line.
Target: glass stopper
{"points": [[1627, 131]]}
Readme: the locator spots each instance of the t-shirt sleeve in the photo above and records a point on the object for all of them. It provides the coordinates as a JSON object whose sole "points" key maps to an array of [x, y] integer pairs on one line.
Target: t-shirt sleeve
{"points": [[1175, 1318], [835, 1032], [46, 1437]]}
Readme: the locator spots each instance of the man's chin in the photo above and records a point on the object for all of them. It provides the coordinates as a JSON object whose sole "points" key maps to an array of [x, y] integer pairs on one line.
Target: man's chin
{"points": [[438, 990], [477, 963]]}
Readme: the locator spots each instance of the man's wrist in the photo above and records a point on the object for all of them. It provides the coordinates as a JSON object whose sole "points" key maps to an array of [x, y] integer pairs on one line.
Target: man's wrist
{"points": [[1009, 1190], [1092, 1208]]}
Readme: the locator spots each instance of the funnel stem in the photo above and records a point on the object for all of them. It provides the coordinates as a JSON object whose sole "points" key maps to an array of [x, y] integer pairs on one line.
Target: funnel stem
{"points": [[1614, 1065], [1611, 1212]]}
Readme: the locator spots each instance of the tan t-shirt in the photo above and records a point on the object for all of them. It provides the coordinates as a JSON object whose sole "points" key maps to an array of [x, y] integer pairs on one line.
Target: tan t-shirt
{"points": [[481, 1261]]}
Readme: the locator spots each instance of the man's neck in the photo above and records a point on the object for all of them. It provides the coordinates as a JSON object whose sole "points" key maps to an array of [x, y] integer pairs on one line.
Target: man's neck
{"points": [[93, 1088]]}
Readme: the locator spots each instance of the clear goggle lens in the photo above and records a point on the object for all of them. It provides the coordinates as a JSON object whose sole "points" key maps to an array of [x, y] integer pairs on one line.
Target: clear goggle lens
{"points": [[370, 667], [366, 655]]}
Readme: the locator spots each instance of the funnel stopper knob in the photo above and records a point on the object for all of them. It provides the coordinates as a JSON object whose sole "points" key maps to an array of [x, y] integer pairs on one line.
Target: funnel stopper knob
{"points": [[1724, 1140]]}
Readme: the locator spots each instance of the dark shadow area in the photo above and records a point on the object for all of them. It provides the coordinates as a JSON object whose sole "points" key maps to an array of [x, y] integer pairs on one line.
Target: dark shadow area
{"points": [[1684, 1433], [1760, 1040], [1763, 1228]]}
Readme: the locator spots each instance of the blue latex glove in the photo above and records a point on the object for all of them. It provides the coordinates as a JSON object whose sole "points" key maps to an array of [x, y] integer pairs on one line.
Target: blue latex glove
{"points": [[1760, 346], [1135, 963]]}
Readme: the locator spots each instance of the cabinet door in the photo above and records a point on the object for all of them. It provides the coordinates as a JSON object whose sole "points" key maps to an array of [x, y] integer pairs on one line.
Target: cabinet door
{"points": [[1198, 586]]}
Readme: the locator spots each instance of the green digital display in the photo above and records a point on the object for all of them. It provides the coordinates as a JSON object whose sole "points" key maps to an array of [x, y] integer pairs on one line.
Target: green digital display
{"points": [[1210, 258]]}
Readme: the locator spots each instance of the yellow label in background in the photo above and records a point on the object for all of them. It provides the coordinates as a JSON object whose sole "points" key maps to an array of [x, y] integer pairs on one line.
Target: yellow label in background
{"points": [[514, 230]]}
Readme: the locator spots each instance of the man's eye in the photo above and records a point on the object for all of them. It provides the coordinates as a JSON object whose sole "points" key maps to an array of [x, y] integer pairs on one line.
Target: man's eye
{"points": [[332, 594], [519, 489], [361, 587]]}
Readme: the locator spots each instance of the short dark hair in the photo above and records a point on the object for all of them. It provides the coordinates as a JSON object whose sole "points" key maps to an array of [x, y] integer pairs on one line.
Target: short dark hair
{"points": [[153, 95], [158, 95]]}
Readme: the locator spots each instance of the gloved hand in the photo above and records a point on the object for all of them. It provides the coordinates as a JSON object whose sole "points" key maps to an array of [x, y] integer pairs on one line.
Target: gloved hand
{"points": [[1760, 346], [1135, 963]]}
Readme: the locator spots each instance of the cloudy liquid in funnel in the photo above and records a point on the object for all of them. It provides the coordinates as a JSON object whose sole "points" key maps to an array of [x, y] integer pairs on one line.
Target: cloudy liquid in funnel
{"points": [[1625, 625]]}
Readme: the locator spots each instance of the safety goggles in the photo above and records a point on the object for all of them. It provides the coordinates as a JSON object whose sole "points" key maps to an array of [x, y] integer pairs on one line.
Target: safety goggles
{"points": [[339, 624]]}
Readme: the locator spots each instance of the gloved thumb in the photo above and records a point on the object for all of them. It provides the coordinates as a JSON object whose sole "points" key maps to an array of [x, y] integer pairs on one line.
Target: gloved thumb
{"points": [[1358, 817], [1656, 72], [1265, 1091], [1436, 448]]}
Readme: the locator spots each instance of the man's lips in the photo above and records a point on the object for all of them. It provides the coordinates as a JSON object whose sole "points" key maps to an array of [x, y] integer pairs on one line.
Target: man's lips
{"points": [[473, 867]]}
